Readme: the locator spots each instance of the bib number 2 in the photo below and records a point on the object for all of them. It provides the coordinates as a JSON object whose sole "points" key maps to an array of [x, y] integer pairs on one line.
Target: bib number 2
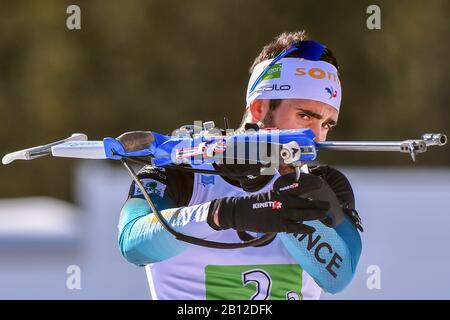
{"points": [[254, 282], [262, 281]]}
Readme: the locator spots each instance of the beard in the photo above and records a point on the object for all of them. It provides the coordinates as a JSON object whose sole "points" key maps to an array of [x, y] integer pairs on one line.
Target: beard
{"points": [[269, 120]]}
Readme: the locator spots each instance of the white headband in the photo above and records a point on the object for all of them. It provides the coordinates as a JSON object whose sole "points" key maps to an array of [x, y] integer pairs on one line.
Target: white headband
{"points": [[295, 78]]}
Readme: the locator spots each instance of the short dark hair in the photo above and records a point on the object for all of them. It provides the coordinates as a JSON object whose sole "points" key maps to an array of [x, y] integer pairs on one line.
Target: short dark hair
{"points": [[279, 43]]}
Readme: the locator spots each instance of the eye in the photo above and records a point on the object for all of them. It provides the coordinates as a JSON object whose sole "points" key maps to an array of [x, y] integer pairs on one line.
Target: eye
{"points": [[327, 126], [304, 116]]}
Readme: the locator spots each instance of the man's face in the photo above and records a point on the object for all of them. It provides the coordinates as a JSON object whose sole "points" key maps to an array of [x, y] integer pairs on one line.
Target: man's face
{"points": [[303, 113]]}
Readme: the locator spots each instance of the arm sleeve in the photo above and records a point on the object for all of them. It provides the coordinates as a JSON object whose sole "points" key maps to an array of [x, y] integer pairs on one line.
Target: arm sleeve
{"points": [[142, 239], [329, 255]]}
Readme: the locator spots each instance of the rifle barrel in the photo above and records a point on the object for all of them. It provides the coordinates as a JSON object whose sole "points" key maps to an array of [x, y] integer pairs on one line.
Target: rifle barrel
{"points": [[407, 146], [360, 145]]}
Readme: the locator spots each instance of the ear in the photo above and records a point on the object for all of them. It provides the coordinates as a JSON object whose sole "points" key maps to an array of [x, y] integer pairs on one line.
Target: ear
{"points": [[258, 109]]}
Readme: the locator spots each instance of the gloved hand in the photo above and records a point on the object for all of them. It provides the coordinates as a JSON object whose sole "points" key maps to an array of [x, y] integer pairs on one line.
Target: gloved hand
{"points": [[283, 209], [342, 189]]}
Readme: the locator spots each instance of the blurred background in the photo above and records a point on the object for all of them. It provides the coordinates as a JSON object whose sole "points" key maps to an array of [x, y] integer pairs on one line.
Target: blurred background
{"points": [[157, 65]]}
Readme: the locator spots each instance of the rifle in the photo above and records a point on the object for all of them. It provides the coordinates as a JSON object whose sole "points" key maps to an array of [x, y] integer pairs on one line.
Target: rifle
{"points": [[192, 146]]}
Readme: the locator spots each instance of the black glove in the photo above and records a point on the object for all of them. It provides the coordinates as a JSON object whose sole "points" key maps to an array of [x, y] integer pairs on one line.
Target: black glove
{"points": [[342, 189], [338, 182], [279, 210]]}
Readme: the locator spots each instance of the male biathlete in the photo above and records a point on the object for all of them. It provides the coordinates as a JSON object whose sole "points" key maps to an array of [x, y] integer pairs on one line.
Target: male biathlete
{"points": [[294, 84]]}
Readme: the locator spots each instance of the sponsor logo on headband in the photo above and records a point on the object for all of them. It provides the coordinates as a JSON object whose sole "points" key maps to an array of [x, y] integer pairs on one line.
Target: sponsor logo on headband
{"points": [[274, 72], [317, 73], [274, 87], [331, 92]]}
